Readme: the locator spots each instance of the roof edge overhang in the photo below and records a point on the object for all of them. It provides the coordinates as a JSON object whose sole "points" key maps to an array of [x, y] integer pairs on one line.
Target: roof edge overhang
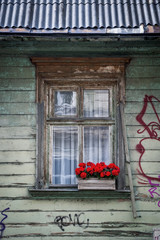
{"points": [[106, 32]]}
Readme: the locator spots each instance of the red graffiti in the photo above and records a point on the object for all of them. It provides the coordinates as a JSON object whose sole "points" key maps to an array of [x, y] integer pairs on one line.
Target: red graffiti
{"points": [[153, 130]]}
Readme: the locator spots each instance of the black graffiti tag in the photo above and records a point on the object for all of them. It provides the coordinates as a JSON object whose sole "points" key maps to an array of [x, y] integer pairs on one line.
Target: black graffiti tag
{"points": [[2, 225], [64, 221]]}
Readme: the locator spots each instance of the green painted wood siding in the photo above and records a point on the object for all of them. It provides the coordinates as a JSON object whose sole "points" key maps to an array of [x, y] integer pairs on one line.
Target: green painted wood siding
{"points": [[31, 219]]}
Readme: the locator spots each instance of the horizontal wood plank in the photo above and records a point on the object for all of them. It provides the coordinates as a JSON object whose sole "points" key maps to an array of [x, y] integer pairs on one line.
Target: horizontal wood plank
{"points": [[139, 94], [147, 157], [99, 216], [17, 72], [17, 156], [143, 61], [148, 144], [136, 107], [17, 96], [138, 83], [17, 144], [141, 71], [17, 180], [17, 108], [78, 205], [57, 237], [18, 84], [13, 192], [148, 168], [13, 61], [98, 229], [24, 168], [17, 132], [17, 120], [131, 118]]}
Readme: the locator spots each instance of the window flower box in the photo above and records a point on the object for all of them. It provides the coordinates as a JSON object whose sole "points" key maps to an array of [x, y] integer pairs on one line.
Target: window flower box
{"points": [[97, 176], [96, 184]]}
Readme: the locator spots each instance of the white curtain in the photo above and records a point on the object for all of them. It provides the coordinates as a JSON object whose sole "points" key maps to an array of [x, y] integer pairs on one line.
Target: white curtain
{"points": [[96, 103], [65, 103], [96, 144], [65, 154]]}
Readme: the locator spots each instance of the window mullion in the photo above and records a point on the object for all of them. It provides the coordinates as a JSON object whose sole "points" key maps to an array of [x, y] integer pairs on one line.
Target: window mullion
{"points": [[80, 143]]}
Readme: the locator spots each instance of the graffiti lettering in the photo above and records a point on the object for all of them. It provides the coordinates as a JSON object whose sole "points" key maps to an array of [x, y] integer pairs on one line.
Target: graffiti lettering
{"points": [[77, 219], [153, 130], [2, 225], [153, 190]]}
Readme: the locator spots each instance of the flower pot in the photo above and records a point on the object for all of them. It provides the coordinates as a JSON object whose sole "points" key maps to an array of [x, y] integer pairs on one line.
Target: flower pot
{"points": [[96, 184]]}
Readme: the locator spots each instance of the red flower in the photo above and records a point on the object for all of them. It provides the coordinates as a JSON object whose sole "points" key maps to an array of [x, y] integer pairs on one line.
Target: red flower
{"points": [[102, 174], [115, 173], [82, 169], [111, 165], [77, 171], [90, 164], [108, 174], [103, 164], [83, 165], [83, 175], [89, 169], [98, 168], [117, 168]]}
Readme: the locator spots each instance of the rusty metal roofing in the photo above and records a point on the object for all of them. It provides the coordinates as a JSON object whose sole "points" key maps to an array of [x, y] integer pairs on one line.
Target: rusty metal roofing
{"points": [[78, 14]]}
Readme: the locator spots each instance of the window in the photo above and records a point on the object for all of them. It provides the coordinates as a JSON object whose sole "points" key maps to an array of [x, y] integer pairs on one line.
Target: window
{"points": [[81, 122], [78, 116]]}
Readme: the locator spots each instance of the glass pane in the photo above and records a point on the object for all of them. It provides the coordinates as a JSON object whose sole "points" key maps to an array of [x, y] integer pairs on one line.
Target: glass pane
{"points": [[96, 103], [65, 103], [96, 144], [65, 154]]}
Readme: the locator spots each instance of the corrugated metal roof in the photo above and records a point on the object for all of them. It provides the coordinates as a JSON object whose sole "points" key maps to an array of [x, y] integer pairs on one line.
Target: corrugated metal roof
{"points": [[78, 14]]}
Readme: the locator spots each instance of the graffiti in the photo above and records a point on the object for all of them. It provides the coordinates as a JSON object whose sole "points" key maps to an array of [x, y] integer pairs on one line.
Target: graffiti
{"points": [[2, 225], [152, 128], [153, 190], [77, 219]]}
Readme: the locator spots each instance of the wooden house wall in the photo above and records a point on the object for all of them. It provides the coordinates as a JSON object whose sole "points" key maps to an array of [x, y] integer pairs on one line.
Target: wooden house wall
{"points": [[47, 219]]}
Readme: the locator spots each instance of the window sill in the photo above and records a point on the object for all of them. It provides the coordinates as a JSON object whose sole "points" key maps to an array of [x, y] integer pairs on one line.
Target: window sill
{"points": [[75, 193]]}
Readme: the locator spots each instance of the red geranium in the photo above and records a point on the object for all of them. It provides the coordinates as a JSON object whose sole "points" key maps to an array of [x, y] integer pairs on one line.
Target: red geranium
{"points": [[83, 175], [115, 173], [98, 170], [83, 165], [90, 164], [102, 174], [108, 174], [77, 171], [103, 164]]}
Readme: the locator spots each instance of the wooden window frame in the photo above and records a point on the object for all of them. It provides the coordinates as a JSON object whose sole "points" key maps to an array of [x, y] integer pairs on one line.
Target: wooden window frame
{"points": [[52, 71]]}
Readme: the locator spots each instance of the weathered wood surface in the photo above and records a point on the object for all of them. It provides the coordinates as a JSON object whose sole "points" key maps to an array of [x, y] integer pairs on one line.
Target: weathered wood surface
{"points": [[67, 47], [17, 120], [24, 168], [17, 144], [17, 156], [17, 108], [29, 218], [36, 237], [96, 184], [17, 84], [17, 96], [17, 72], [18, 132], [142, 83]]}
